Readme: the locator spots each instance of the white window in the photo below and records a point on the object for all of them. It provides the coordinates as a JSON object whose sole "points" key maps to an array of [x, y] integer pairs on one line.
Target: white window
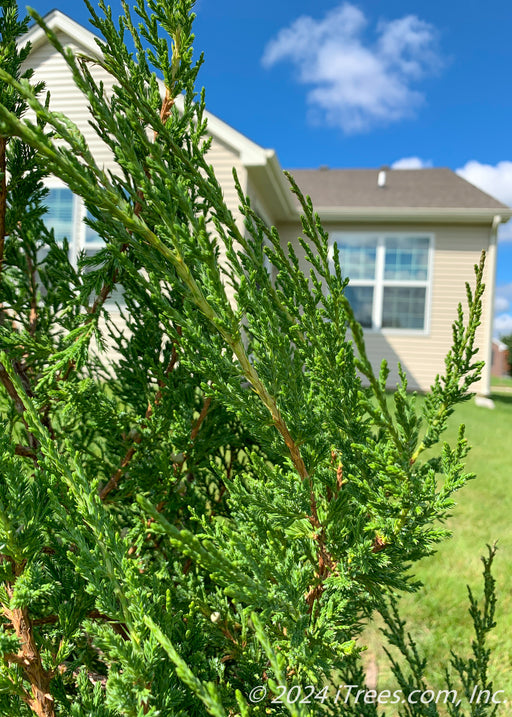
{"points": [[66, 216], [390, 278]]}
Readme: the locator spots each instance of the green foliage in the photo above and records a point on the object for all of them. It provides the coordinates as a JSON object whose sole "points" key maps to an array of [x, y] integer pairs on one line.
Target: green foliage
{"points": [[507, 340], [214, 490], [474, 691]]}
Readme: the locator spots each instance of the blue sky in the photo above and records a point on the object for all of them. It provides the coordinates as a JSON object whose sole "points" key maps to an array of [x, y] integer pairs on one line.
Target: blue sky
{"points": [[366, 84]]}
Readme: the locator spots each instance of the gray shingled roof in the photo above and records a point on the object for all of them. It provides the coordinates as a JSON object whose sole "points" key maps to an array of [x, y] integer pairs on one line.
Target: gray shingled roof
{"points": [[415, 188]]}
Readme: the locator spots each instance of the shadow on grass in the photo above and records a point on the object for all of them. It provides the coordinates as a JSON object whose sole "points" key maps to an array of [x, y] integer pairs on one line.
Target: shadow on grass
{"points": [[502, 399]]}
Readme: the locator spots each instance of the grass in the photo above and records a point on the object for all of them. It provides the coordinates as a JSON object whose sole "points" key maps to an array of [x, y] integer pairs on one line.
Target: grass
{"points": [[501, 381], [437, 615]]}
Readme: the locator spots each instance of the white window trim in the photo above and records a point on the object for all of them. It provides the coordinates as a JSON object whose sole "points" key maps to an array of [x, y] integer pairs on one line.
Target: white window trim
{"points": [[379, 282]]}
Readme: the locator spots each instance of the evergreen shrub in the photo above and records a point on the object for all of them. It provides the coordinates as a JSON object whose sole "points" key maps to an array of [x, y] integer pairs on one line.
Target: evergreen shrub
{"points": [[219, 504]]}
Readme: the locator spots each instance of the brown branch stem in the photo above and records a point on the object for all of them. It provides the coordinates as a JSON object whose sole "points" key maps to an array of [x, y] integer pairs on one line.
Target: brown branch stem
{"points": [[11, 390], [106, 289], [170, 367], [325, 561], [33, 294], [3, 197], [28, 658], [24, 451], [197, 425], [113, 482], [325, 567], [9, 386]]}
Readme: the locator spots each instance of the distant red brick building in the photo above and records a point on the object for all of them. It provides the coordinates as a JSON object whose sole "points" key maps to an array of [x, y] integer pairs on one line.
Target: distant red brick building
{"points": [[500, 359]]}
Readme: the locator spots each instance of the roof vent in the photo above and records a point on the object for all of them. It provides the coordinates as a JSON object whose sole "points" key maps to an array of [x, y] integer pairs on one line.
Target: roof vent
{"points": [[323, 167], [381, 177]]}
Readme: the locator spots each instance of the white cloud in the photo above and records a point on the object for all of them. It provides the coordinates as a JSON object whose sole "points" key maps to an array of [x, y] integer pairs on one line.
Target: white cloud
{"points": [[496, 180], [357, 84], [503, 325], [411, 163], [501, 304], [493, 179]]}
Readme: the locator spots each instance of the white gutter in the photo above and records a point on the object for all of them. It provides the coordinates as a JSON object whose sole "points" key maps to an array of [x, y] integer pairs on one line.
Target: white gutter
{"points": [[411, 214], [491, 262]]}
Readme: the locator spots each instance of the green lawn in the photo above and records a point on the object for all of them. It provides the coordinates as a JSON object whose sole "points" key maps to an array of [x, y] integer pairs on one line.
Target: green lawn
{"points": [[437, 615], [501, 382]]}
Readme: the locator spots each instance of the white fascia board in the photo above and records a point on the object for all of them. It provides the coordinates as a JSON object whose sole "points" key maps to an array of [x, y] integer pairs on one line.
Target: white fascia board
{"points": [[414, 214], [249, 151], [278, 184], [57, 21], [282, 185], [251, 155]]}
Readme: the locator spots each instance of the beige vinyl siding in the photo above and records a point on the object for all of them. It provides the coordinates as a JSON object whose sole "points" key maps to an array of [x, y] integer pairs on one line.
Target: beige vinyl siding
{"points": [[456, 250], [223, 159], [52, 69]]}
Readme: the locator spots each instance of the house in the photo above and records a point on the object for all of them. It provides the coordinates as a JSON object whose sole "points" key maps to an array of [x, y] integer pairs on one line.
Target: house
{"points": [[500, 364], [408, 238]]}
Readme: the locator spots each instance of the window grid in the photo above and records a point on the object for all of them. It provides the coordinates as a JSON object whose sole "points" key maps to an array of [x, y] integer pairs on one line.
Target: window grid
{"points": [[406, 259], [360, 264], [406, 250], [408, 301]]}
